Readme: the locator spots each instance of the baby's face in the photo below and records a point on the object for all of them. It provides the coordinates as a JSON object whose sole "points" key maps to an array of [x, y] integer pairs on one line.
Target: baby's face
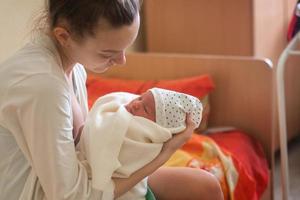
{"points": [[143, 106]]}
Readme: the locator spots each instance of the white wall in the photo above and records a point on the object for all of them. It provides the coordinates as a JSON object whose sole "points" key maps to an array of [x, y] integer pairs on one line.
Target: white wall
{"points": [[16, 21]]}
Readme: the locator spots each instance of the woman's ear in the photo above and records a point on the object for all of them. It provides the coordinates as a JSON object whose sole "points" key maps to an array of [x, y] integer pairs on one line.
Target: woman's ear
{"points": [[62, 35]]}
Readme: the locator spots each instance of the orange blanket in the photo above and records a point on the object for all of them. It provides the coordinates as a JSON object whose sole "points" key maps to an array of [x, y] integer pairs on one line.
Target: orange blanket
{"points": [[233, 157]]}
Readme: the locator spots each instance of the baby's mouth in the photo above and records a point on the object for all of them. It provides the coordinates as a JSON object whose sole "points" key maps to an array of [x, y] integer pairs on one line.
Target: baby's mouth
{"points": [[128, 108]]}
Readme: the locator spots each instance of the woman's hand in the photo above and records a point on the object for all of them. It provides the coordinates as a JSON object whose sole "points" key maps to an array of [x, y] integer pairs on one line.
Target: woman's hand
{"points": [[179, 139]]}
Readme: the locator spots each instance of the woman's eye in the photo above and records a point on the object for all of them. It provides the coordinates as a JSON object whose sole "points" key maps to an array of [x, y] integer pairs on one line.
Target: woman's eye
{"points": [[105, 56]]}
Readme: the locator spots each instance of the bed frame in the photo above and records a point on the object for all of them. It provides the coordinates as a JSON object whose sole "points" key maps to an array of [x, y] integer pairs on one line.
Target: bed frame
{"points": [[288, 94], [243, 94]]}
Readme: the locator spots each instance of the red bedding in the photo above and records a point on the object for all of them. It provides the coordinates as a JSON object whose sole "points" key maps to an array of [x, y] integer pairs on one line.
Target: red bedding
{"points": [[233, 157], [250, 161]]}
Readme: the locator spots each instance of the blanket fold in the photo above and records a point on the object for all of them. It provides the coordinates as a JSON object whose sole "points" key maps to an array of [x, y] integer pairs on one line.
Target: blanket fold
{"points": [[117, 144]]}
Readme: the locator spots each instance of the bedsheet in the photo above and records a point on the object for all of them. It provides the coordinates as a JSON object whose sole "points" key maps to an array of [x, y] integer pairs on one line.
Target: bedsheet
{"points": [[236, 159]]}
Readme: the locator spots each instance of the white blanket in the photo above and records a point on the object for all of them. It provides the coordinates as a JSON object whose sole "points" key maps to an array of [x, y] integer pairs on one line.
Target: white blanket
{"points": [[116, 143]]}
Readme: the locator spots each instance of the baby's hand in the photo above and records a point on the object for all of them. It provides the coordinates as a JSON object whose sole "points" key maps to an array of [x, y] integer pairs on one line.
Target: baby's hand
{"points": [[179, 139]]}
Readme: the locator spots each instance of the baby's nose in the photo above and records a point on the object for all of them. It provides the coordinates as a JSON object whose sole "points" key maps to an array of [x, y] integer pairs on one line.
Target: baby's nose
{"points": [[136, 104]]}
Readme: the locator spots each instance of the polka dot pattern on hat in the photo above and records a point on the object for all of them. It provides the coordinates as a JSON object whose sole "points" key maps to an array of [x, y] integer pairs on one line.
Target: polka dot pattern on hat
{"points": [[171, 108]]}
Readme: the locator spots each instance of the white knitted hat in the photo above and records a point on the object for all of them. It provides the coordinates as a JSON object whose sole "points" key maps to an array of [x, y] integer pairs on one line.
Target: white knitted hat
{"points": [[171, 109]]}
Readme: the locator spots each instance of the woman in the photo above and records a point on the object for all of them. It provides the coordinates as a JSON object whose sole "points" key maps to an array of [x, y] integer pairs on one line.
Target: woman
{"points": [[43, 104]]}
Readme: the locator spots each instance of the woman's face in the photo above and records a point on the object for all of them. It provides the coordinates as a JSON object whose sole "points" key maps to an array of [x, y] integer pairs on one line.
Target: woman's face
{"points": [[143, 106], [105, 49]]}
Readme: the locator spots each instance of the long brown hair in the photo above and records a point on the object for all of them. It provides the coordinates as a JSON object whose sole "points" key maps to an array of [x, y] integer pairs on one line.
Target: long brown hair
{"points": [[83, 16]]}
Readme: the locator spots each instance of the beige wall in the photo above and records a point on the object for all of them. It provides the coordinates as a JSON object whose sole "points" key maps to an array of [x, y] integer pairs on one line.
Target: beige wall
{"points": [[16, 19]]}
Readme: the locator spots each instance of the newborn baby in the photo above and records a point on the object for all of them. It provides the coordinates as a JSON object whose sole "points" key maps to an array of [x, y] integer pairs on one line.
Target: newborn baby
{"points": [[167, 108], [124, 132]]}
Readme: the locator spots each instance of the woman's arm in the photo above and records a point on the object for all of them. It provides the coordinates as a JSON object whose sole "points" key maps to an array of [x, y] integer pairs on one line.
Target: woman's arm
{"points": [[123, 185], [38, 111]]}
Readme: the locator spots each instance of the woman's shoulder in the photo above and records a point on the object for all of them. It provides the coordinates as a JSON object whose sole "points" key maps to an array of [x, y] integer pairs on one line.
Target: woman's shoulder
{"points": [[33, 64], [38, 50], [35, 92]]}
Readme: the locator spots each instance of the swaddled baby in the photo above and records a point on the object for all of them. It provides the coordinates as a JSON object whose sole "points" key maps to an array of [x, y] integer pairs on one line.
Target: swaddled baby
{"points": [[167, 108], [124, 132]]}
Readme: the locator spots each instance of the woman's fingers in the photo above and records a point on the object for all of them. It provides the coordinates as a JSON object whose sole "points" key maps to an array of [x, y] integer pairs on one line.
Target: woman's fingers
{"points": [[190, 127], [179, 139], [189, 122]]}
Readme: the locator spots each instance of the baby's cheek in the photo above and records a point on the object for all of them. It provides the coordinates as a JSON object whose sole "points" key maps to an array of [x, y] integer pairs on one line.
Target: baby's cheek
{"points": [[140, 113], [153, 117]]}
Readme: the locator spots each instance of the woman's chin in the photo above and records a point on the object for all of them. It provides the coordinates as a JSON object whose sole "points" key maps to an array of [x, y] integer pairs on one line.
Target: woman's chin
{"points": [[99, 70]]}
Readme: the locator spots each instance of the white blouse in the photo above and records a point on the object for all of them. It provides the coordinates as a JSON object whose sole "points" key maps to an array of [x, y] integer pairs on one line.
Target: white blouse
{"points": [[38, 159]]}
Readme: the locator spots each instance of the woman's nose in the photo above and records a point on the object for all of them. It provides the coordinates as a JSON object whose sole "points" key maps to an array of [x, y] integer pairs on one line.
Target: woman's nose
{"points": [[120, 59]]}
